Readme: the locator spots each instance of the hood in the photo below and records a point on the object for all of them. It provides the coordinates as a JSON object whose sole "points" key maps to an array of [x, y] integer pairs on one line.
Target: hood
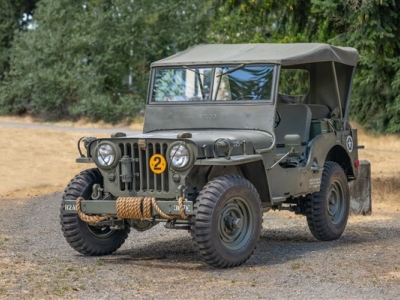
{"points": [[254, 139]]}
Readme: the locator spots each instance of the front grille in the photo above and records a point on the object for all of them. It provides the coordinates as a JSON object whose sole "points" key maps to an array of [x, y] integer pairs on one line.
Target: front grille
{"points": [[142, 179]]}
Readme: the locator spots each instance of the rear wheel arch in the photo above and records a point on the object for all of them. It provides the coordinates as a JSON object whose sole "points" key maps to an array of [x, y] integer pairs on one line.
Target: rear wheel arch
{"points": [[339, 155]]}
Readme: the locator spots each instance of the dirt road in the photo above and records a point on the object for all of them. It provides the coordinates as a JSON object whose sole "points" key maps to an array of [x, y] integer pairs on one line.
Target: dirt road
{"points": [[36, 261]]}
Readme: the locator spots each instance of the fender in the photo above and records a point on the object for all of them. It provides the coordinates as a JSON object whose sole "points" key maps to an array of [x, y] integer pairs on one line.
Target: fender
{"points": [[252, 168]]}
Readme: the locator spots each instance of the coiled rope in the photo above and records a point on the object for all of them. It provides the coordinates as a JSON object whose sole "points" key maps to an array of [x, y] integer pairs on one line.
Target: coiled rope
{"points": [[132, 208], [86, 218]]}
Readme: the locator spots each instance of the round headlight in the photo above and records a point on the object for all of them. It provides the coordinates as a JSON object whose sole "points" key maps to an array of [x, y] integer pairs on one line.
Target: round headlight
{"points": [[179, 156], [105, 155]]}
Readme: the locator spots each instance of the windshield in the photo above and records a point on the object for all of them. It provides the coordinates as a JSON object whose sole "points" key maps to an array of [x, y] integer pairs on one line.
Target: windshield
{"points": [[237, 82]]}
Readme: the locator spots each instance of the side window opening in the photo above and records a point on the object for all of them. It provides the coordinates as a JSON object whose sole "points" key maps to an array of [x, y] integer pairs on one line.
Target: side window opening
{"points": [[294, 85]]}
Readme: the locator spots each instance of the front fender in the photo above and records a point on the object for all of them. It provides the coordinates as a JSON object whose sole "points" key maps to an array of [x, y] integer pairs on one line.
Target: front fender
{"points": [[251, 167]]}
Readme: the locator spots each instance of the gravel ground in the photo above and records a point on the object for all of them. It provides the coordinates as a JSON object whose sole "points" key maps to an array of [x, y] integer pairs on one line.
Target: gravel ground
{"points": [[36, 261]]}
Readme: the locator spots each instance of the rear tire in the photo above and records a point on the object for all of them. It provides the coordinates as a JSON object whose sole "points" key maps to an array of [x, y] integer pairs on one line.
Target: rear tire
{"points": [[84, 238], [328, 210], [227, 222]]}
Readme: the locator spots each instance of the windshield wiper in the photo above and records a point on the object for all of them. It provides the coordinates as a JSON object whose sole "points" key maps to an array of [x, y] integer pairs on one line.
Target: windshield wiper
{"points": [[193, 70], [241, 66]]}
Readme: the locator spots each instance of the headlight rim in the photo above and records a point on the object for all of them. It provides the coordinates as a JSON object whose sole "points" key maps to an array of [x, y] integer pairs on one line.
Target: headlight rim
{"points": [[116, 153], [190, 160]]}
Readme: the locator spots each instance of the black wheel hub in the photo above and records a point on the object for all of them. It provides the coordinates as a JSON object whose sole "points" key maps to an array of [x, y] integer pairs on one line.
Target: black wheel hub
{"points": [[234, 223], [335, 202]]}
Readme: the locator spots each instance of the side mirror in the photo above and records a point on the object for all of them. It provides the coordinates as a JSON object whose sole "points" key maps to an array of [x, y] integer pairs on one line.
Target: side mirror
{"points": [[292, 144]]}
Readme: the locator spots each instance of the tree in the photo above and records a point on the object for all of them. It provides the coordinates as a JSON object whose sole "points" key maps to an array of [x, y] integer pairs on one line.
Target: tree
{"points": [[244, 21], [66, 63], [374, 31], [77, 60], [372, 27], [14, 16]]}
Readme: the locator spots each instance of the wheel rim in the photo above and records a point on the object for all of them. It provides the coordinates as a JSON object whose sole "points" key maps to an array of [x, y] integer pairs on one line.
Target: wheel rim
{"points": [[100, 232], [335, 202], [235, 224]]}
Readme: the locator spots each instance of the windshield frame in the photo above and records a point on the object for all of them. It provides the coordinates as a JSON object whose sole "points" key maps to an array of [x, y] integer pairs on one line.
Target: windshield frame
{"points": [[214, 80]]}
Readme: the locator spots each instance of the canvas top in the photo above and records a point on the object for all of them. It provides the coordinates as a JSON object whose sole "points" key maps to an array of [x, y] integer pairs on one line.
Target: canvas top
{"points": [[282, 54]]}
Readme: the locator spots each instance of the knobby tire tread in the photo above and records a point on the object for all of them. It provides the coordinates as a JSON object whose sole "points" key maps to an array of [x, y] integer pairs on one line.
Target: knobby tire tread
{"points": [[316, 206], [201, 228], [75, 230]]}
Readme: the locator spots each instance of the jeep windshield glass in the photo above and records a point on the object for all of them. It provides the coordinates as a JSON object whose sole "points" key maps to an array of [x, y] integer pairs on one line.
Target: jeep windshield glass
{"points": [[229, 83]]}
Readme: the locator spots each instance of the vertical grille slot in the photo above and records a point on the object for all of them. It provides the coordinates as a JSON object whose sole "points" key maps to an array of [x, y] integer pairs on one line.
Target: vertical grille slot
{"points": [[149, 153], [136, 166]]}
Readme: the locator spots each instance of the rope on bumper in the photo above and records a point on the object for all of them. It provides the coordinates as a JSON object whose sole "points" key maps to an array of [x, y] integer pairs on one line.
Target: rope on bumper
{"points": [[140, 208], [181, 209], [132, 208], [86, 218]]}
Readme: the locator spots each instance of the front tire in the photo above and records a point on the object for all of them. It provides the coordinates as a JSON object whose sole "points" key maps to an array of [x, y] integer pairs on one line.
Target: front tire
{"points": [[328, 210], [227, 222], [85, 238]]}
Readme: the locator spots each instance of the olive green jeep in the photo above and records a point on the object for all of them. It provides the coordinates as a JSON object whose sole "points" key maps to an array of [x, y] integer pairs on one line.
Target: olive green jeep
{"points": [[230, 132]]}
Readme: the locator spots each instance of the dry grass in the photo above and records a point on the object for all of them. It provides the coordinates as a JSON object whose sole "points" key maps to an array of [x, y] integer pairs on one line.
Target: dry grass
{"points": [[38, 161], [42, 161], [383, 152], [82, 123]]}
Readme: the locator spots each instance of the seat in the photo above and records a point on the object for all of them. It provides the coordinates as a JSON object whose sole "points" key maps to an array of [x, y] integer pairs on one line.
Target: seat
{"points": [[295, 119], [319, 111], [290, 99]]}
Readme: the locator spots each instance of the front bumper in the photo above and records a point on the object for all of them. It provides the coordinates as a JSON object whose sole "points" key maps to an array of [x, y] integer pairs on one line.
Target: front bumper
{"points": [[98, 207]]}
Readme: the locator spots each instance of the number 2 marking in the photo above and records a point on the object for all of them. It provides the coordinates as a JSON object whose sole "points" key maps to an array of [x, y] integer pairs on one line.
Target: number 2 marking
{"points": [[158, 164]]}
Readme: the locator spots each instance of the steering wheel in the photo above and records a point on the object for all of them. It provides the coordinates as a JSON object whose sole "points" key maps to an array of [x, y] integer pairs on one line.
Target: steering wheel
{"points": [[278, 118]]}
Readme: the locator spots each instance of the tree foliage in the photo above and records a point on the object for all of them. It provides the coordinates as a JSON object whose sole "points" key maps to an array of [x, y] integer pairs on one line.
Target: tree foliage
{"points": [[91, 57], [14, 15], [372, 27]]}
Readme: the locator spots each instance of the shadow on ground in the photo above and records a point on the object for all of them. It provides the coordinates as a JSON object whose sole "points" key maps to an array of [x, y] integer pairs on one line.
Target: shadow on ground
{"points": [[277, 246]]}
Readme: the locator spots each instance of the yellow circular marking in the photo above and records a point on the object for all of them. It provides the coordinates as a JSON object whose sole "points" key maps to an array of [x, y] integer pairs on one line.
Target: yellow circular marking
{"points": [[158, 164]]}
